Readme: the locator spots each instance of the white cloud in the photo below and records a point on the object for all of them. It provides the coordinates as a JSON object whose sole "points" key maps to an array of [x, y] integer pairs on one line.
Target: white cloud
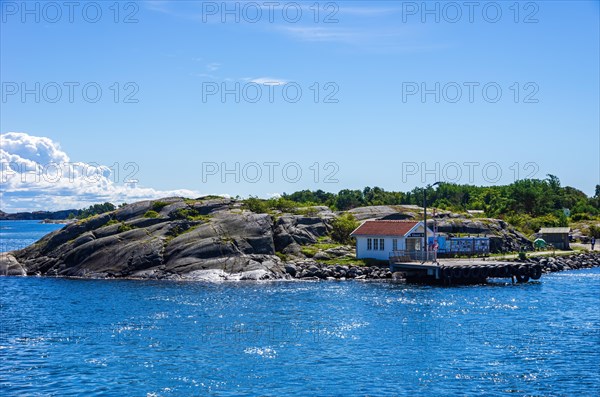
{"points": [[162, 6], [369, 11], [320, 34], [205, 75], [381, 38], [213, 66], [36, 174], [268, 81]]}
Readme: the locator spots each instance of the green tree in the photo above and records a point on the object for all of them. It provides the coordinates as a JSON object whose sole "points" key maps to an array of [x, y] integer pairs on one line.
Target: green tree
{"points": [[348, 199], [96, 209], [342, 227]]}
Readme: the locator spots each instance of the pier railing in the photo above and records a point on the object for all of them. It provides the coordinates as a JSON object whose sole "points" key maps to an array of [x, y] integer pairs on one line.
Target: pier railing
{"points": [[412, 256]]}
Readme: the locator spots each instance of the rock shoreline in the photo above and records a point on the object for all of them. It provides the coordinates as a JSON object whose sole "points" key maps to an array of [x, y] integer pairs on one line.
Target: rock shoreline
{"points": [[552, 264], [311, 270]]}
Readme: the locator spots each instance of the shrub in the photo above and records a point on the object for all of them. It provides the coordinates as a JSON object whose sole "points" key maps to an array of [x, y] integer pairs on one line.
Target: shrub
{"points": [[529, 225], [580, 217], [594, 231], [177, 231], [282, 204], [159, 205], [256, 205], [342, 227], [151, 214], [124, 227]]}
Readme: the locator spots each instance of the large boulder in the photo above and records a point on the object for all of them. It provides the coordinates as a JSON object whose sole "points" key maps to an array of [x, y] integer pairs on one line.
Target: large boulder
{"points": [[9, 266], [291, 231], [388, 212]]}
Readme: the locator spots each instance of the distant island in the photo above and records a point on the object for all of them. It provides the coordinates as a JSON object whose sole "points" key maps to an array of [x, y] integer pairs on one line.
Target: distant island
{"points": [[39, 215], [62, 215]]}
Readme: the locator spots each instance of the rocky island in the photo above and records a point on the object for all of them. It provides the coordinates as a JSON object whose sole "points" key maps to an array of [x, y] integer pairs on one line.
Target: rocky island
{"points": [[215, 238]]}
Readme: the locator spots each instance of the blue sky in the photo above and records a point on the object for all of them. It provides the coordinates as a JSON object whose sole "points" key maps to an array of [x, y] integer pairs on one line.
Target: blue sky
{"points": [[366, 127]]}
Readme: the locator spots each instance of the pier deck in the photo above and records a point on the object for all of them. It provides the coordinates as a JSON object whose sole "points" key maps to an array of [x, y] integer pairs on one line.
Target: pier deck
{"points": [[465, 271]]}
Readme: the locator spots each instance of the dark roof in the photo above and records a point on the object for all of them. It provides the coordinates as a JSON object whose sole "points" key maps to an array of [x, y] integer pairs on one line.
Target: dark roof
{"points": [[555, 230], [384, 228]]}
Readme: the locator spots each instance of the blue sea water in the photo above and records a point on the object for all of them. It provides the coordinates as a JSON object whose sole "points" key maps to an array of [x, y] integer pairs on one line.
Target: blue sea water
{"points": [[19, 234], [148, 338]]}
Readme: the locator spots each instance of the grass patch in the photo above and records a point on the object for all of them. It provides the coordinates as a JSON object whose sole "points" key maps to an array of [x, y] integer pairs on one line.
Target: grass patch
{"points": [[282, 256], [580, 249], [367, 262], [326, 246], [308, 211], [211, 197], [311, 250], [112, 222], [190, 214], [261, 206]]}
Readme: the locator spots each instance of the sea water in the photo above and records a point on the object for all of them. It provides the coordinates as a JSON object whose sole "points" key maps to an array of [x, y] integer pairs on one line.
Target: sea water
{"points": [[68, 337]]}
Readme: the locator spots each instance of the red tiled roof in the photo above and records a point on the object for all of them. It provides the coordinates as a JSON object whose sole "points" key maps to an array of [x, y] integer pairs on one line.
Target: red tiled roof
{"points": [[384, 228]]}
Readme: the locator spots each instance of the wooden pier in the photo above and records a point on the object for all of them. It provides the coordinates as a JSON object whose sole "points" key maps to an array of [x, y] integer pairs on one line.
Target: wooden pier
{"points": [[464, 271]]}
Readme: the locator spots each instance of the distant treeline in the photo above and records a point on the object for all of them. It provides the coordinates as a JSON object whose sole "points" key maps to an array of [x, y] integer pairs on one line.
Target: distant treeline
{"points": [[94, 210], [520, 202], [59, 215], [527, 204]]}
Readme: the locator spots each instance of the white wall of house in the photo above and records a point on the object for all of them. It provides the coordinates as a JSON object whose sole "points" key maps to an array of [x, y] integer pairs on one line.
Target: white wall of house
{"points": [[362, 250]]}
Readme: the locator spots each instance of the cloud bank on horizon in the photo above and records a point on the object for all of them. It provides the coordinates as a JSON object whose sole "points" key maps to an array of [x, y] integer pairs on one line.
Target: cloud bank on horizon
{"points": [[36, 174]]}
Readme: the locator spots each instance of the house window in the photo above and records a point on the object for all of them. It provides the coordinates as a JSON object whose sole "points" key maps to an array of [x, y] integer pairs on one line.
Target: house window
{"points": [[369, 244], [375, 246], [381, 244], [395, 244]]}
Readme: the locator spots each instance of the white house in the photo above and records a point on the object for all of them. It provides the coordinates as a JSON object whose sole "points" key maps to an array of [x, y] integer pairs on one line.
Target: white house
{"points": [[378, 239]]}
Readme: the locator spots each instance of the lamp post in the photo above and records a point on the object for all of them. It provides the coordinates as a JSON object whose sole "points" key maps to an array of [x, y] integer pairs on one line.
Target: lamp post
{"points": [[425, 219]]}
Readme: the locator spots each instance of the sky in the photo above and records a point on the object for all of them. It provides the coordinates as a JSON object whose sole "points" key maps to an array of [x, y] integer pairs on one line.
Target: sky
{"points": [[121, 101]]}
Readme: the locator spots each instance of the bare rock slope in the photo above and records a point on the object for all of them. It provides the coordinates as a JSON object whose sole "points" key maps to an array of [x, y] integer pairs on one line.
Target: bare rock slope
{"points": [[171, 238]]}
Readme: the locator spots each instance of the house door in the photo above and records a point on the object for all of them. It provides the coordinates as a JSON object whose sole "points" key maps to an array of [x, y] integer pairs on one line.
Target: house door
{"points": [[413, 244]]}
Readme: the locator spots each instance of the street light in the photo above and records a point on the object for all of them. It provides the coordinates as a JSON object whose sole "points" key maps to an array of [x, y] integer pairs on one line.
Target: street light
{"points": [[425, 219]]}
